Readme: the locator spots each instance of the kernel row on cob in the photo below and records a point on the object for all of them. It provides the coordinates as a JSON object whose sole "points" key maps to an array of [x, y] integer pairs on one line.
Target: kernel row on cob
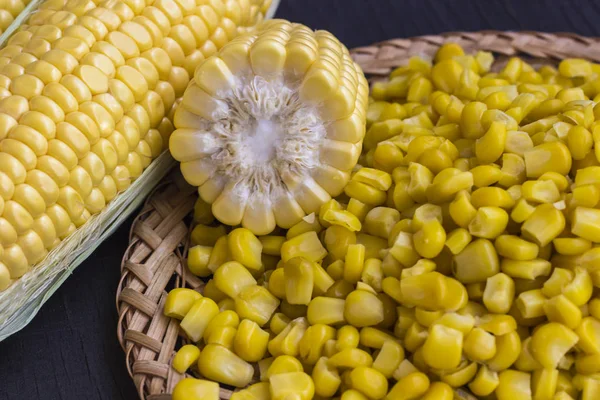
{"points": [[462, 253], [271, 127], [87, 95], [9, 11]]}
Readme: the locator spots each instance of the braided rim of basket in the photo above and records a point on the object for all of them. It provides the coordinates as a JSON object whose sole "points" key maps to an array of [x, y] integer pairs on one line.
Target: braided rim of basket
{"points": [[154, 262]]}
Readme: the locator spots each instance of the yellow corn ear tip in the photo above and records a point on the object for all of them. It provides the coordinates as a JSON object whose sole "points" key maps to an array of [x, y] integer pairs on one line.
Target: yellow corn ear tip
{"points": [[290, 185]]}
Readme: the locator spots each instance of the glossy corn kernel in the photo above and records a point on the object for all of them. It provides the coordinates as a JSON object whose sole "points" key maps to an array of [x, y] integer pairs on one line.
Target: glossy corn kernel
{"points": [[232, 277], [197, 261], [551, 342], [287, 341], [222, 365], [179, 302], [409, 387], [198, 317], [513, 385], [185, 358], [250, 341], [326, 378], [446, 340], [196, 389], [245, 248], [306, 245], [485, 382], [256, 303], [477, 262]]}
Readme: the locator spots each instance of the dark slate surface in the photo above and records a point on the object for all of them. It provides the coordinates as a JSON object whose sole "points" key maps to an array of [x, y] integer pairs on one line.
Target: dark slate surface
{"points": [[70, 350]]}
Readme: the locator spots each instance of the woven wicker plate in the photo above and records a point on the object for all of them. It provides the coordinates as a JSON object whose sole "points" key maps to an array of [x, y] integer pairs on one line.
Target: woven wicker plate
{"points": [[154, 261]]}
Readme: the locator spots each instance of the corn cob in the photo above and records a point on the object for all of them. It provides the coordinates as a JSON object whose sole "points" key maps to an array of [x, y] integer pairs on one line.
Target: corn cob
{"points": [[86, 89], [272, 125]]}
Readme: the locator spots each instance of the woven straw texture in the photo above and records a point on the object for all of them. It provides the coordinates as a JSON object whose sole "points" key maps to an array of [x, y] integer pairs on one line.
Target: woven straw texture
{"points": [[155, 259]]}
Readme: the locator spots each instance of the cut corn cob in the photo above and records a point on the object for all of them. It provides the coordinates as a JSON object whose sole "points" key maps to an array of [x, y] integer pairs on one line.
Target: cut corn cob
{"points": [[271, 126], [85, 93]]}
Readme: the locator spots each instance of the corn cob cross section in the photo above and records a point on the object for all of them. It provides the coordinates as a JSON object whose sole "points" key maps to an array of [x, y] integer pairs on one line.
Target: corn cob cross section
{"points": [[272, 125], [85, 91]]}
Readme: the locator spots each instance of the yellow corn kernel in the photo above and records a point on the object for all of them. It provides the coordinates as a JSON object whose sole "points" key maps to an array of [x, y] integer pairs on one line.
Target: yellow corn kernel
{"points": [[462, 210], [550, 342], [547, 157], [326, 378], [250, 341], [347, 337], [531, 303], [179, 302], [326, 310], [245, 248], [342, 218], [354, 263], [258, 391], [477, 262], [522, 210], [283, 365], [337, 239], [457, 240], [403, 250], [296, 384], [515, 248], [287, 341], [299, 280], [185, 357], [350, 358], [461, 375], [197, 260], [198, 317], [488, 222], [219, 364], [369, 382], [207, 235], [271, 245], [490, 146], [447, 340], [306, 245], [389, 357], [219, 254], [445, 75], [513, 385], [485, 382], [256, 303], [530, 269], [499, 293], [358, 208], [380, 221], [579, 290], [508, 348], [588, 332], [312, 343], [232, 277], [196, 389], [571, 246], [409, 387], [363, 308], [222, 335], [583, 223], [340, 289], [307, 224], [543, 225], [540, 191], [429, 240], [351, 394], [223, 319]]}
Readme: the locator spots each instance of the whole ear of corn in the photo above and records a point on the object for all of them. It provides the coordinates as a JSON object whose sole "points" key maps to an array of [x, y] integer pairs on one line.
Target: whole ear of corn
{"points": [[86, 91], [272, 125]]}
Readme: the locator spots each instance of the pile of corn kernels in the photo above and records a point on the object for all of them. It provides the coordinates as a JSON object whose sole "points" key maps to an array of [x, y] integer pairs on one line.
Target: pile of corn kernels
{"points": [[464, 253]]}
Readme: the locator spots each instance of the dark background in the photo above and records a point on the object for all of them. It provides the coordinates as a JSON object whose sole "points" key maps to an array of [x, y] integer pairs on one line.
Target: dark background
{"points": [[70, 350]]}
